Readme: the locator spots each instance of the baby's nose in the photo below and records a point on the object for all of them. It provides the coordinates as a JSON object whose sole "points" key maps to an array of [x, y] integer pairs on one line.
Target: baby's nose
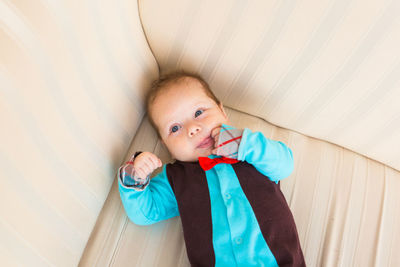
{"points": [[193, 130]]}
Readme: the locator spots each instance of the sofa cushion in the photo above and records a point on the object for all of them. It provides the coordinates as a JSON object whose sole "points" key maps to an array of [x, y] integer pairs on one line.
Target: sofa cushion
{"points": [[345, 206], [72, 78], [327, 69]]}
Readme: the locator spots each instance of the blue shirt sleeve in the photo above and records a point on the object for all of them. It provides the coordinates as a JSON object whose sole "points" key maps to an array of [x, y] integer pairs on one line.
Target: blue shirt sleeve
{"points": [[155, 203], [272, 158]]}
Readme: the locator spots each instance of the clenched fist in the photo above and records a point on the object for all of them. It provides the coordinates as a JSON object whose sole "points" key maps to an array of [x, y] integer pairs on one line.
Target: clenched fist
{"points": [[215, 135], [145, 163], [226, 141]]}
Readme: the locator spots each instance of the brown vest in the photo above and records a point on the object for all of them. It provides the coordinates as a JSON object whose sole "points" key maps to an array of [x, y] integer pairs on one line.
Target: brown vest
{"points": [[189, 183]]}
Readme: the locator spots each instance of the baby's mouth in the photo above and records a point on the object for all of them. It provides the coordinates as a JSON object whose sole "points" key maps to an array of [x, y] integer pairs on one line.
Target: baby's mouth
{"points": [[206, 143]]}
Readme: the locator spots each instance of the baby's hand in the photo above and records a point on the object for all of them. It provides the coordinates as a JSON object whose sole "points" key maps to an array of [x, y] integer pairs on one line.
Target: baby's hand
{"points": [[215, 136], [226, 143], [145, 163]]}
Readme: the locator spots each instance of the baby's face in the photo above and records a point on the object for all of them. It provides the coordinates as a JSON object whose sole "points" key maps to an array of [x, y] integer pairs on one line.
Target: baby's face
{"points": [[185, 117]]}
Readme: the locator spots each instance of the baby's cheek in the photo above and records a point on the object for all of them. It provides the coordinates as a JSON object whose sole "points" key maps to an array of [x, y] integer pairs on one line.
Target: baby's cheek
{"points": [[176, 147]]}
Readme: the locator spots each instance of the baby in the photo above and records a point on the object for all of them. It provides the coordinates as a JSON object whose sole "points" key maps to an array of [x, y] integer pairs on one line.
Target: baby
{"points": [[224, 183]]}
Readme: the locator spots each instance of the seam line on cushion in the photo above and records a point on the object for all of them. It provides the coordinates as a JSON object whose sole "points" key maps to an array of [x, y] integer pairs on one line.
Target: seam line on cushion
{"points": [[145, 36], [117, 247]]}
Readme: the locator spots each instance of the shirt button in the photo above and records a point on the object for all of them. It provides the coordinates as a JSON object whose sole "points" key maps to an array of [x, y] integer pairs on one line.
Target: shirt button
{"points": [[238, 240], [227, 196]]}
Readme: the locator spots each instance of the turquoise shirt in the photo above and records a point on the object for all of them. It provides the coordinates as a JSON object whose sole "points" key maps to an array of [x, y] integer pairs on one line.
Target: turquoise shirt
{"points": [[237, 238]]}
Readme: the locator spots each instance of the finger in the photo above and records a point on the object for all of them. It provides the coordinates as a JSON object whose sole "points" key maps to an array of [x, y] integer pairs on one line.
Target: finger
{"points": [[216, 138], [147, 167], [159, 162], [152, 163], [155, 161], [141, 165], [215, 131], [140, 173]]}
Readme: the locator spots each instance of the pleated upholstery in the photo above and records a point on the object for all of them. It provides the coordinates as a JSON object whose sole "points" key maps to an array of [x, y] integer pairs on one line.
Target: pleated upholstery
{"points": [[72, 78], [72, 81], [345, 207], [329, 69]]}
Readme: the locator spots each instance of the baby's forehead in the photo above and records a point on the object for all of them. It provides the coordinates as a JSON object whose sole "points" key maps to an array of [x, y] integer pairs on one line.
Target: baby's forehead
{"points": [[174, 95], [178, 88]]}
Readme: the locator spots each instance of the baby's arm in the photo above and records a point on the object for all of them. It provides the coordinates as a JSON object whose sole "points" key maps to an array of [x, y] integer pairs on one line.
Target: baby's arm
{"points": [[146, 201], [272, 158]]}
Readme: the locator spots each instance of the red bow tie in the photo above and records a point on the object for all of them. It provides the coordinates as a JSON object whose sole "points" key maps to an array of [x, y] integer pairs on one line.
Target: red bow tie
{"points": [[207, 163]]}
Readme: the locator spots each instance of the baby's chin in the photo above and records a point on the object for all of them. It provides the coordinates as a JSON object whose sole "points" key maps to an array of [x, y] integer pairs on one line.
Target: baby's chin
{"points": [[205, 154]]}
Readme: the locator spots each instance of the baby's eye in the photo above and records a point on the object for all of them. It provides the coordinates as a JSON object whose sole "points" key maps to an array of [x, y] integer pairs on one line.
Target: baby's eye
{"points": [[175, 128], [198, 113]]}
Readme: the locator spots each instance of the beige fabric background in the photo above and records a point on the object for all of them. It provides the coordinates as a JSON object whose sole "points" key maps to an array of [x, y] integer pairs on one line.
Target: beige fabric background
{"points": [[328, 68], [72, 79]]}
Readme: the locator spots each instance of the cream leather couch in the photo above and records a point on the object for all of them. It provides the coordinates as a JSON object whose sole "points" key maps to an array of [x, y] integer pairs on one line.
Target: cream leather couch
{"points": [[320, 75]]}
